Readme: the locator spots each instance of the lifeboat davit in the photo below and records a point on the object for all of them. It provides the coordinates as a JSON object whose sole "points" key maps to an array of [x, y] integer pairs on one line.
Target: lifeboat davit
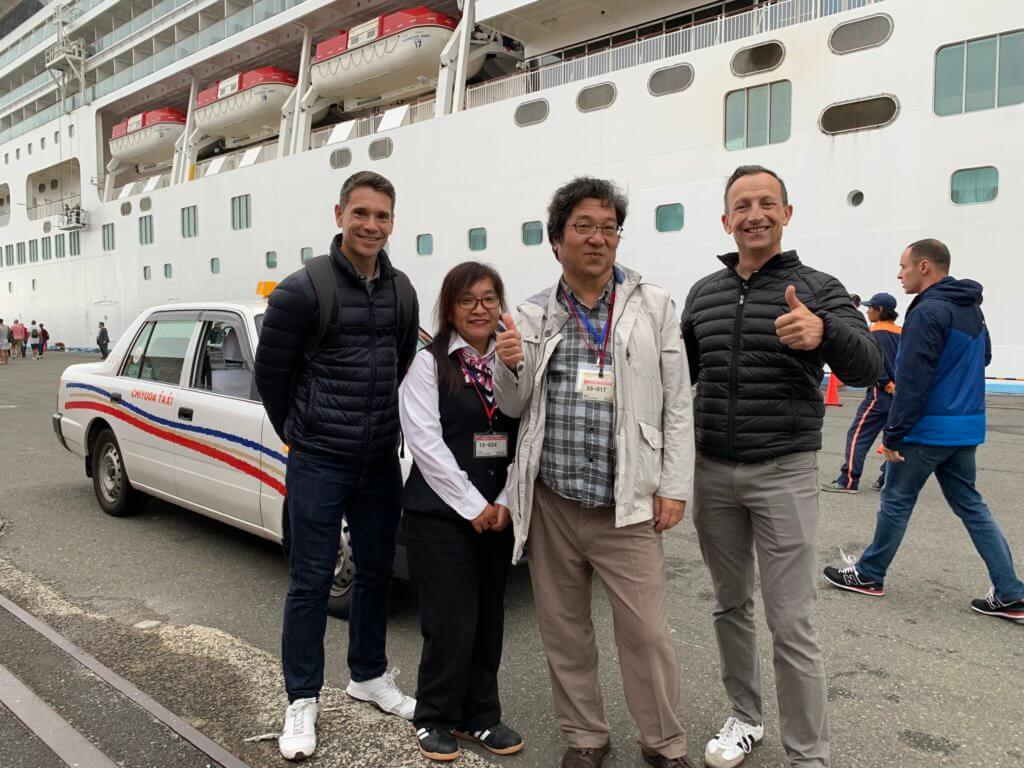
{"points": [[147, 138], [386, 59], [245, 107]]}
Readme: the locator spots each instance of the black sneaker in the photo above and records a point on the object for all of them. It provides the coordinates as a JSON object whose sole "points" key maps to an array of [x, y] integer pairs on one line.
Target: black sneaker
{"points": [[437, 744], [876, 485], [991, 605], [850, 579], [499, 739], [837, 487]]}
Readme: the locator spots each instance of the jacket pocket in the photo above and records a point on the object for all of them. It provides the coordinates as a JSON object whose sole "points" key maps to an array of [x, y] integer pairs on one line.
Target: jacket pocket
{"points": [[648, 460]]}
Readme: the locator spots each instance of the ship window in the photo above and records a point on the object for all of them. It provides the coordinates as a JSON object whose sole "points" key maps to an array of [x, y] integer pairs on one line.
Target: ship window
{"points": [[859, 115], [42, 142], [190, 221], [33, 250], [71, 130], [533, 233], [424, 244], [33, 283], [30, 147], [108, 237], [10, 287], [21, 253], [47, 226], [595, 97], [54, 183], [241, 212], [758, 58], [168, 271], [147, 273], [56, 137], [17, 153], [855, 198], [74, 243], [980, 74], [305, 255], [341, 158], [381, 148], [669, 217], [670, 80], [47, 254], [271, 259], [478, 239], [868, 32], [145, 230], [215, 265], [7, 158], [531, 112], [758, 116], [126, 208], [58, 246], [974, 185], [42, 188], [9, 255], [145, 204]]}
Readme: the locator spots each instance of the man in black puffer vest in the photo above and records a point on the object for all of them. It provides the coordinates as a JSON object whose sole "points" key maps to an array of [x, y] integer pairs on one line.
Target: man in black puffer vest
{"points": [[757, 335], [334, 401]]}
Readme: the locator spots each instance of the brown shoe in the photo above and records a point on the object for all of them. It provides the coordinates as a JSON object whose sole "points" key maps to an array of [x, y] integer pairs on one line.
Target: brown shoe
{"points": [[585, 758], [660, 761]]}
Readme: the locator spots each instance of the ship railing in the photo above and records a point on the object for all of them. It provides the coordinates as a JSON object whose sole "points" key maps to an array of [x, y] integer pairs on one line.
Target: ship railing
{"points": [[52, 207], [368, 126], [240, 158], [724, 29]]}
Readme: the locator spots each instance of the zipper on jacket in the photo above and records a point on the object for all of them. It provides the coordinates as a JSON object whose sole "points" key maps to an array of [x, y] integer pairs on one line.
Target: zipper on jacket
{"points": [[373, 367], [734, 366]]}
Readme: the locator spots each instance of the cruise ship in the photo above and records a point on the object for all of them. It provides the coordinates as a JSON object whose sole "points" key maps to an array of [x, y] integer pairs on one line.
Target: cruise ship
{"points": [[161, 150]]}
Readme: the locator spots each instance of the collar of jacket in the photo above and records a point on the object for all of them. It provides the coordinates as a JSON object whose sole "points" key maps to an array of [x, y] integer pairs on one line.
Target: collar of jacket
{"points": [[342, 263], [885, 325], [626, 281], [784, 260]]}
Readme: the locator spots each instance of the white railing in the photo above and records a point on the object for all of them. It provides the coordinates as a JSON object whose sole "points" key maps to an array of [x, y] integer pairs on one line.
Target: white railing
{"points": [[714, 32]]}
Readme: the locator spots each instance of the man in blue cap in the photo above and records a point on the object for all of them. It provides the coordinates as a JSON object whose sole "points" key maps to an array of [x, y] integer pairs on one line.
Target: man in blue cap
{"points": [[874, 408]]}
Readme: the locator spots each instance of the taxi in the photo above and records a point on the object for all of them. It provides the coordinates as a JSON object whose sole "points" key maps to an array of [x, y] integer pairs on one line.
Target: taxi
{"points": [[173, 413]]}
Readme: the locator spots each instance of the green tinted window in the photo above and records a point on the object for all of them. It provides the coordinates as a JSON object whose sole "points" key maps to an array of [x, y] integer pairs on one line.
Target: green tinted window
{"points": [[757, 116], [477, 239], [215, 265], [949, 80], [669, 218], [781, 109], [981, 74], [735, 120], [974, 185], [271, 259], [424, 244], [1011, 69], [533, 233]]}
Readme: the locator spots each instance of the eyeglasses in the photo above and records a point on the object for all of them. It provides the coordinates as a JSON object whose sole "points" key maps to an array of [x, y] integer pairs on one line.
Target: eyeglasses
{"points": [[609, 231], [469, 303]]}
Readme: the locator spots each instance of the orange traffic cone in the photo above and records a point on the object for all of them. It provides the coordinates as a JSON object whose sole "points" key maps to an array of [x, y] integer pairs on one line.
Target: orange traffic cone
{"points": [[832, 393]]}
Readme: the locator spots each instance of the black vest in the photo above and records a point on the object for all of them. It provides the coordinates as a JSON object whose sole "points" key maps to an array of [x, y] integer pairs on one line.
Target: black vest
{"points": [[462, 416]]}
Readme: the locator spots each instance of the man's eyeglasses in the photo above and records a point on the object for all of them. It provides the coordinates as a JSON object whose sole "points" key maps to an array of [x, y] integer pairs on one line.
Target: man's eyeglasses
{"points": [[609, 231], [469, 302]]}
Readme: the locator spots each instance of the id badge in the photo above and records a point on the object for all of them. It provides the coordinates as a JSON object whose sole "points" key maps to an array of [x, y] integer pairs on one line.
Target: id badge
{"points": [[595, 387], [490, 445]]}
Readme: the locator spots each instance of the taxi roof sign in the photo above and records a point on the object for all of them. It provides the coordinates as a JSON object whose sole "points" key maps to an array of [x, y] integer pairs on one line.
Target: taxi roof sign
{"points": [[265, 287]]}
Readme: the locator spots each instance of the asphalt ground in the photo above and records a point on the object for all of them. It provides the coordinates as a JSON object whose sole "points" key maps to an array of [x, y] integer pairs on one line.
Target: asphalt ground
{"points": [[189, 610]]}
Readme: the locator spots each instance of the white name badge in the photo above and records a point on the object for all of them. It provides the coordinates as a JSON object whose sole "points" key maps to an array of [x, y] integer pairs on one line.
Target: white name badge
{"points": [[595, 387], [490, 445]]}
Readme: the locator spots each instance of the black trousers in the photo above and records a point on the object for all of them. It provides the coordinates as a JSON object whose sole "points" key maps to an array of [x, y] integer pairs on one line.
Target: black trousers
{"points": [[460, 578]]}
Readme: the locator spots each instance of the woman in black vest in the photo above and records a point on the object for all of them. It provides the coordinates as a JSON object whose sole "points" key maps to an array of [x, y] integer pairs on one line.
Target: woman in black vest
{"points": [[456, 522]]}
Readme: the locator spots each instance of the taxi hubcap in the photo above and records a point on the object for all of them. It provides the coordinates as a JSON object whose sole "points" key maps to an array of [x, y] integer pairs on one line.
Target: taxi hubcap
{"points": [[110, 474]]}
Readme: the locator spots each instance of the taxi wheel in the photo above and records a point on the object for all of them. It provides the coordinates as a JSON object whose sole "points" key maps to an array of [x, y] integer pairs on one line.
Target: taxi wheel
{"points": [[110, 482], [344, 573]]}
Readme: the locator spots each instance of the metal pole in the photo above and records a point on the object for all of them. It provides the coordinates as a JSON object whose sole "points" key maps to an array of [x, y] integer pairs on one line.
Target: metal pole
{"points": [[468, 22]]}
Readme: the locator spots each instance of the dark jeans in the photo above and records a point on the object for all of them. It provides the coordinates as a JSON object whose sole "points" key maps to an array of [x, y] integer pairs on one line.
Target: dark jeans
{"points": [[955, 470], [320, 491], [460, 578]]}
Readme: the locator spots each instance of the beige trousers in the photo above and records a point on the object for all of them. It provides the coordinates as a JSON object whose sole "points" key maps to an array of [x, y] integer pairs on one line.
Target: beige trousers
{"points": [[568, 543]]}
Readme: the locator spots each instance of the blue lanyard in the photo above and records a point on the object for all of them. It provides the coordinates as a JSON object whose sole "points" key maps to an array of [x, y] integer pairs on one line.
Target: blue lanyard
{"points": [[597, 336]]}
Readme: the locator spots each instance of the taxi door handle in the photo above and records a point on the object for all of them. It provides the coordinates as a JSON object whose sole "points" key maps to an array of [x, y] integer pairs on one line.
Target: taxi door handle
{"points": [[185, 413], [115, 397]]}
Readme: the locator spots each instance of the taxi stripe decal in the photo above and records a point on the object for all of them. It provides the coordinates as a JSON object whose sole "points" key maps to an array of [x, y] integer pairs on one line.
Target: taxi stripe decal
{"points": [[206, 450], [187, 427]]}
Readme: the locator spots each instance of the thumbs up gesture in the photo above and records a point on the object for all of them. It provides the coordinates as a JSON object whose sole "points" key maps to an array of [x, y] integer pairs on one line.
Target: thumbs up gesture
{"points": [[799, 328], [509, 344]]}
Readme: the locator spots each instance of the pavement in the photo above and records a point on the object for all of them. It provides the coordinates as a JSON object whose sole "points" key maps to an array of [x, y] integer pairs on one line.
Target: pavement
{"points": [[189, 611]]}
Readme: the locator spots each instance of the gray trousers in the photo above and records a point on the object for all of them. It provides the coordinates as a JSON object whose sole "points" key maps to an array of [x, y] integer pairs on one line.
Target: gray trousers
{"points": [[770, 507]]}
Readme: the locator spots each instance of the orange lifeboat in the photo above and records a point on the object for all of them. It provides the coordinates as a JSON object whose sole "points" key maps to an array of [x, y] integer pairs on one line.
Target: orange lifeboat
{"points": [[245, 107], [147, 138]]}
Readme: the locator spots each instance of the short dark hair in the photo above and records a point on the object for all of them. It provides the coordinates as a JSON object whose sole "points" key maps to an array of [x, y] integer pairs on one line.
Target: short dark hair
{"points": [[568, 196], [855, 298], [753, 170], [935, 251], [366, 179], [887, 314]]}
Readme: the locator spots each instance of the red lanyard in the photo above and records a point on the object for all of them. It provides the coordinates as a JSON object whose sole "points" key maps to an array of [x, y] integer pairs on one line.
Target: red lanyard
{"points": [[489, 410], [586, 329]]}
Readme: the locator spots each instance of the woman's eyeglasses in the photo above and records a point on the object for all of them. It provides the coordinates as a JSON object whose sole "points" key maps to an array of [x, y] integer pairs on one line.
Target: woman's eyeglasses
{"points": [[469, 303]]}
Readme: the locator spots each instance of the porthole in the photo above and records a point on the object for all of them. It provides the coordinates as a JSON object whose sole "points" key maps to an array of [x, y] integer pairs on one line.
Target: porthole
{"points": [[533, 233], [478, 239], [147, 273], [145, 204], [271, 259], [54, 183], [425, 244], [856, 35], [855, 198], [669, 217], [215, 265], [168, 270], [33, 284], [341, 158], [758, 58], [670, 80], [974, 185], [381, 148], [42, 187], [47, 227], [305, 254], [595, 97], [859, 115], [531, 112], [126, 208]]}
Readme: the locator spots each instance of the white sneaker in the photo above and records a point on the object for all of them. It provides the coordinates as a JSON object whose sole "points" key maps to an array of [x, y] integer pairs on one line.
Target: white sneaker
{"points": [[298, 737], [382, 692], [732, 744]]}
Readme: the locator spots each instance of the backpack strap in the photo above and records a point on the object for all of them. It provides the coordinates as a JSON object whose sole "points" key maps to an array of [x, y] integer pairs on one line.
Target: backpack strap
{"points": [[406, 296], [321, 273]]}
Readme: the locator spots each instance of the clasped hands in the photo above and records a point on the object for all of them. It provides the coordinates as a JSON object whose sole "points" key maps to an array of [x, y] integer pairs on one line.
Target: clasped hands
{"points": [[494, 517]]}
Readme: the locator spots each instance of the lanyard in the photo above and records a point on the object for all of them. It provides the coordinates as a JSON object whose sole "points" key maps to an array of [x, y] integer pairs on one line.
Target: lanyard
{"points": [[489, 410], [585, 325]]}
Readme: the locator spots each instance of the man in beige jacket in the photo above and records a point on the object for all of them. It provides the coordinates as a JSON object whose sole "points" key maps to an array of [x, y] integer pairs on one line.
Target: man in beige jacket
{"points": [[596, 370]]}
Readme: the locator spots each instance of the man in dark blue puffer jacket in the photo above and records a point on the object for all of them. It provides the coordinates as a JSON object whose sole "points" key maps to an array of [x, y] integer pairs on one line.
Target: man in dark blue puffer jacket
{"points": [[936, 423], [336, 406]]}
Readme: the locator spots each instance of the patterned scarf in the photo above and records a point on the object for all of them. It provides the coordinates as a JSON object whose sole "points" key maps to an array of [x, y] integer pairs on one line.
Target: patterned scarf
{"points": [[479, 367]]}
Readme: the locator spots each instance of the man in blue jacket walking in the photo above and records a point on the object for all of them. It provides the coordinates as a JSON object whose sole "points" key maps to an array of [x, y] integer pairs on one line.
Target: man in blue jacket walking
{"points": [[936, 422]]}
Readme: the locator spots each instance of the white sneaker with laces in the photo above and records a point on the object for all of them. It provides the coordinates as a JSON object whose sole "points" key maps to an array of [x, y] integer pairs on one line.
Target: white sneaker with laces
{"points": [[298, 737], [384, 694], [732, 744]]}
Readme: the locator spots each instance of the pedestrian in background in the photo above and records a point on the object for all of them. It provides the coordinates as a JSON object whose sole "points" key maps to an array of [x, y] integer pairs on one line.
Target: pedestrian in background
{"points": [[103, 341], [33, 339], [855, 299], [5, 342], [873, 410], [44, 338], [18, 334]]}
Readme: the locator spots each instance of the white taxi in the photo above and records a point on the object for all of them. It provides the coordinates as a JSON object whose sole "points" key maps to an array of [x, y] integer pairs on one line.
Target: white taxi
{"points": [[173, 413]]}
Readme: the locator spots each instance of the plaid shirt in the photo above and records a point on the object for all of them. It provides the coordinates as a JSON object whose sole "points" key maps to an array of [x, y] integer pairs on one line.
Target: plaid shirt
{"points": [[578, 458]]}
